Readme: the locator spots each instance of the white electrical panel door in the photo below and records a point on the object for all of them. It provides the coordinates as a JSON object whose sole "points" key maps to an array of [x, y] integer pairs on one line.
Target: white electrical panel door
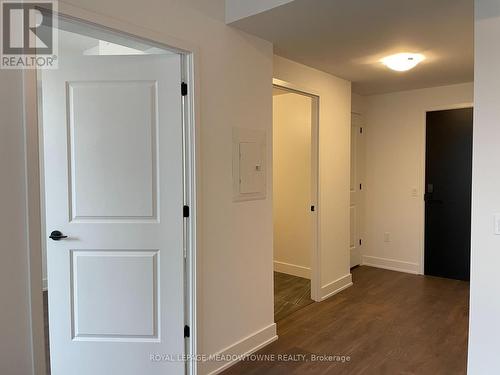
{"points": [[251, 171], [249, 164]]}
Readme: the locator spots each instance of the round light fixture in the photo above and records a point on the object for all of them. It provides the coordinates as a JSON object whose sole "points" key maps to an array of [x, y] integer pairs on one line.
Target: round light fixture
{"points": [[402, 62]]}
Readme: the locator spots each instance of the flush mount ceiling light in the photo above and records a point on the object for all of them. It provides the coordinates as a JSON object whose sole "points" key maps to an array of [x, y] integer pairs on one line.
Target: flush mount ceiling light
{"points": [[402, 62]]}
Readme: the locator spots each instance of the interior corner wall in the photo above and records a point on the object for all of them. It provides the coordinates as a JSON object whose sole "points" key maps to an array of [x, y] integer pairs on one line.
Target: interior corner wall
{"points": [[334, 168], [292, 116], [239, 9], [357, 103], [235, 256], [484, 330], [395, 166]]}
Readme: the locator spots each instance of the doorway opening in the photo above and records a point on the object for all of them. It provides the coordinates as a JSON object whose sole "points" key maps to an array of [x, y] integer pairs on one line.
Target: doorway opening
{"points": [[115, 137], [294, 199], [448, 193]]}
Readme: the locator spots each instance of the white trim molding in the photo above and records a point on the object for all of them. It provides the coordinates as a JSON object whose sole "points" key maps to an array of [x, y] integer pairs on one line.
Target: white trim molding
{"points": [[293, 87], [336, 286], [239, 350], [355, 256], [391, 264], [292, 269]]}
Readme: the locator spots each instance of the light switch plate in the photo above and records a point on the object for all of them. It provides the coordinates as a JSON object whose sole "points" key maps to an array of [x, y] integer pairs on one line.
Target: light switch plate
{"points": [[497, 224]]}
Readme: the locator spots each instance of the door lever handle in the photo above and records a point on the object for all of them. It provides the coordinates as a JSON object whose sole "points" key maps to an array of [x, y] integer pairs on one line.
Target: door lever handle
{"points": [[57, 235]]}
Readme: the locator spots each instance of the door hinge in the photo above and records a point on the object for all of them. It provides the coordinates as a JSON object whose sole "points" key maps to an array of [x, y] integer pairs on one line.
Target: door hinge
{"points": [[313, 208], [185, 211], [360, 130], [187, 331], [360, 242], [360, 186], [184, 89]]}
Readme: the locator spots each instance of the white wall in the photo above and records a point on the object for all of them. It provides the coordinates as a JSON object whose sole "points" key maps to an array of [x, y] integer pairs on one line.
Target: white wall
{"points": [[15, 339], [484, 327], [334, 167], [292, 115], [358, 103], [235, 239], [395, 156]]}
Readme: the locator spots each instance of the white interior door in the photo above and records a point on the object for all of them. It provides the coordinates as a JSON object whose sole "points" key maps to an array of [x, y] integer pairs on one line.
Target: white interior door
{"points": [[356, 204], [112, 145]]}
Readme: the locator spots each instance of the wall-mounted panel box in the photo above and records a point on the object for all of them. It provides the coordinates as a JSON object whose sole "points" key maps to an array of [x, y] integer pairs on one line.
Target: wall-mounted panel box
{"points": [[249, 164]]}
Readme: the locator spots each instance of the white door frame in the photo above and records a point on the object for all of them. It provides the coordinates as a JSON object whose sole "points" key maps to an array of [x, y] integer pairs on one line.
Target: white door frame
{"points": [[315, 253], [35, 230], [422, 172], [360, 149]]}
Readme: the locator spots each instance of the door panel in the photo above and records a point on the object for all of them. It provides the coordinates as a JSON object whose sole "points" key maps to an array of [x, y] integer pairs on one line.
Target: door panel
{"points": [[128, 279], [448, 193], [113, 124], [112, 143]]}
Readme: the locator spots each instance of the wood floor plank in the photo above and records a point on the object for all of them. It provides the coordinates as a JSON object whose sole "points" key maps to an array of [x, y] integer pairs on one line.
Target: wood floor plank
{"points": [[291, 293], [387, 323]]}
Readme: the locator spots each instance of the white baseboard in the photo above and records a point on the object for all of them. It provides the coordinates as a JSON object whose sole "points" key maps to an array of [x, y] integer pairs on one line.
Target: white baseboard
{"points": [[355, 254], [240, 349], [292, 269], [336, 286], [391, 264], [44, 285]]}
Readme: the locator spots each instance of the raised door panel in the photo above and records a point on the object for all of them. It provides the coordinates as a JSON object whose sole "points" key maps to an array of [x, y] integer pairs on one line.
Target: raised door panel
{"points": [[114, 295], [112, 151]]}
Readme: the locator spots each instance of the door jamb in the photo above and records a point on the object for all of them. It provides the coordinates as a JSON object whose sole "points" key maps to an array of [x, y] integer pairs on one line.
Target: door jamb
{"points": [[35, 230], [315, 253], [360, 201], [422, 173]]}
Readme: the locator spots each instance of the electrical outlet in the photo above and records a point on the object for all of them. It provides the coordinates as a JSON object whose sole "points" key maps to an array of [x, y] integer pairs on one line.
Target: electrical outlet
{"points": [[387, 237], [414, 192]]}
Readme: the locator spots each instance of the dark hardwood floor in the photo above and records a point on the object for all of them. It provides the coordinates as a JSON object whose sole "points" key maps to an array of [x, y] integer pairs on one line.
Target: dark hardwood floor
{"points": [[291, 293], [387, 323]]}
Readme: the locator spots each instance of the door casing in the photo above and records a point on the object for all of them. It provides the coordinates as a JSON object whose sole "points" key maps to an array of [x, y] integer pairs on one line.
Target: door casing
{"points": [[35, 228], [356, 194]]}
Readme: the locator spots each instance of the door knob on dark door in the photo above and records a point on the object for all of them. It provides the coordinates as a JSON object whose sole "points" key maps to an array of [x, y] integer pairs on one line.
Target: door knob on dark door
{"points": [[57, 235]]}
